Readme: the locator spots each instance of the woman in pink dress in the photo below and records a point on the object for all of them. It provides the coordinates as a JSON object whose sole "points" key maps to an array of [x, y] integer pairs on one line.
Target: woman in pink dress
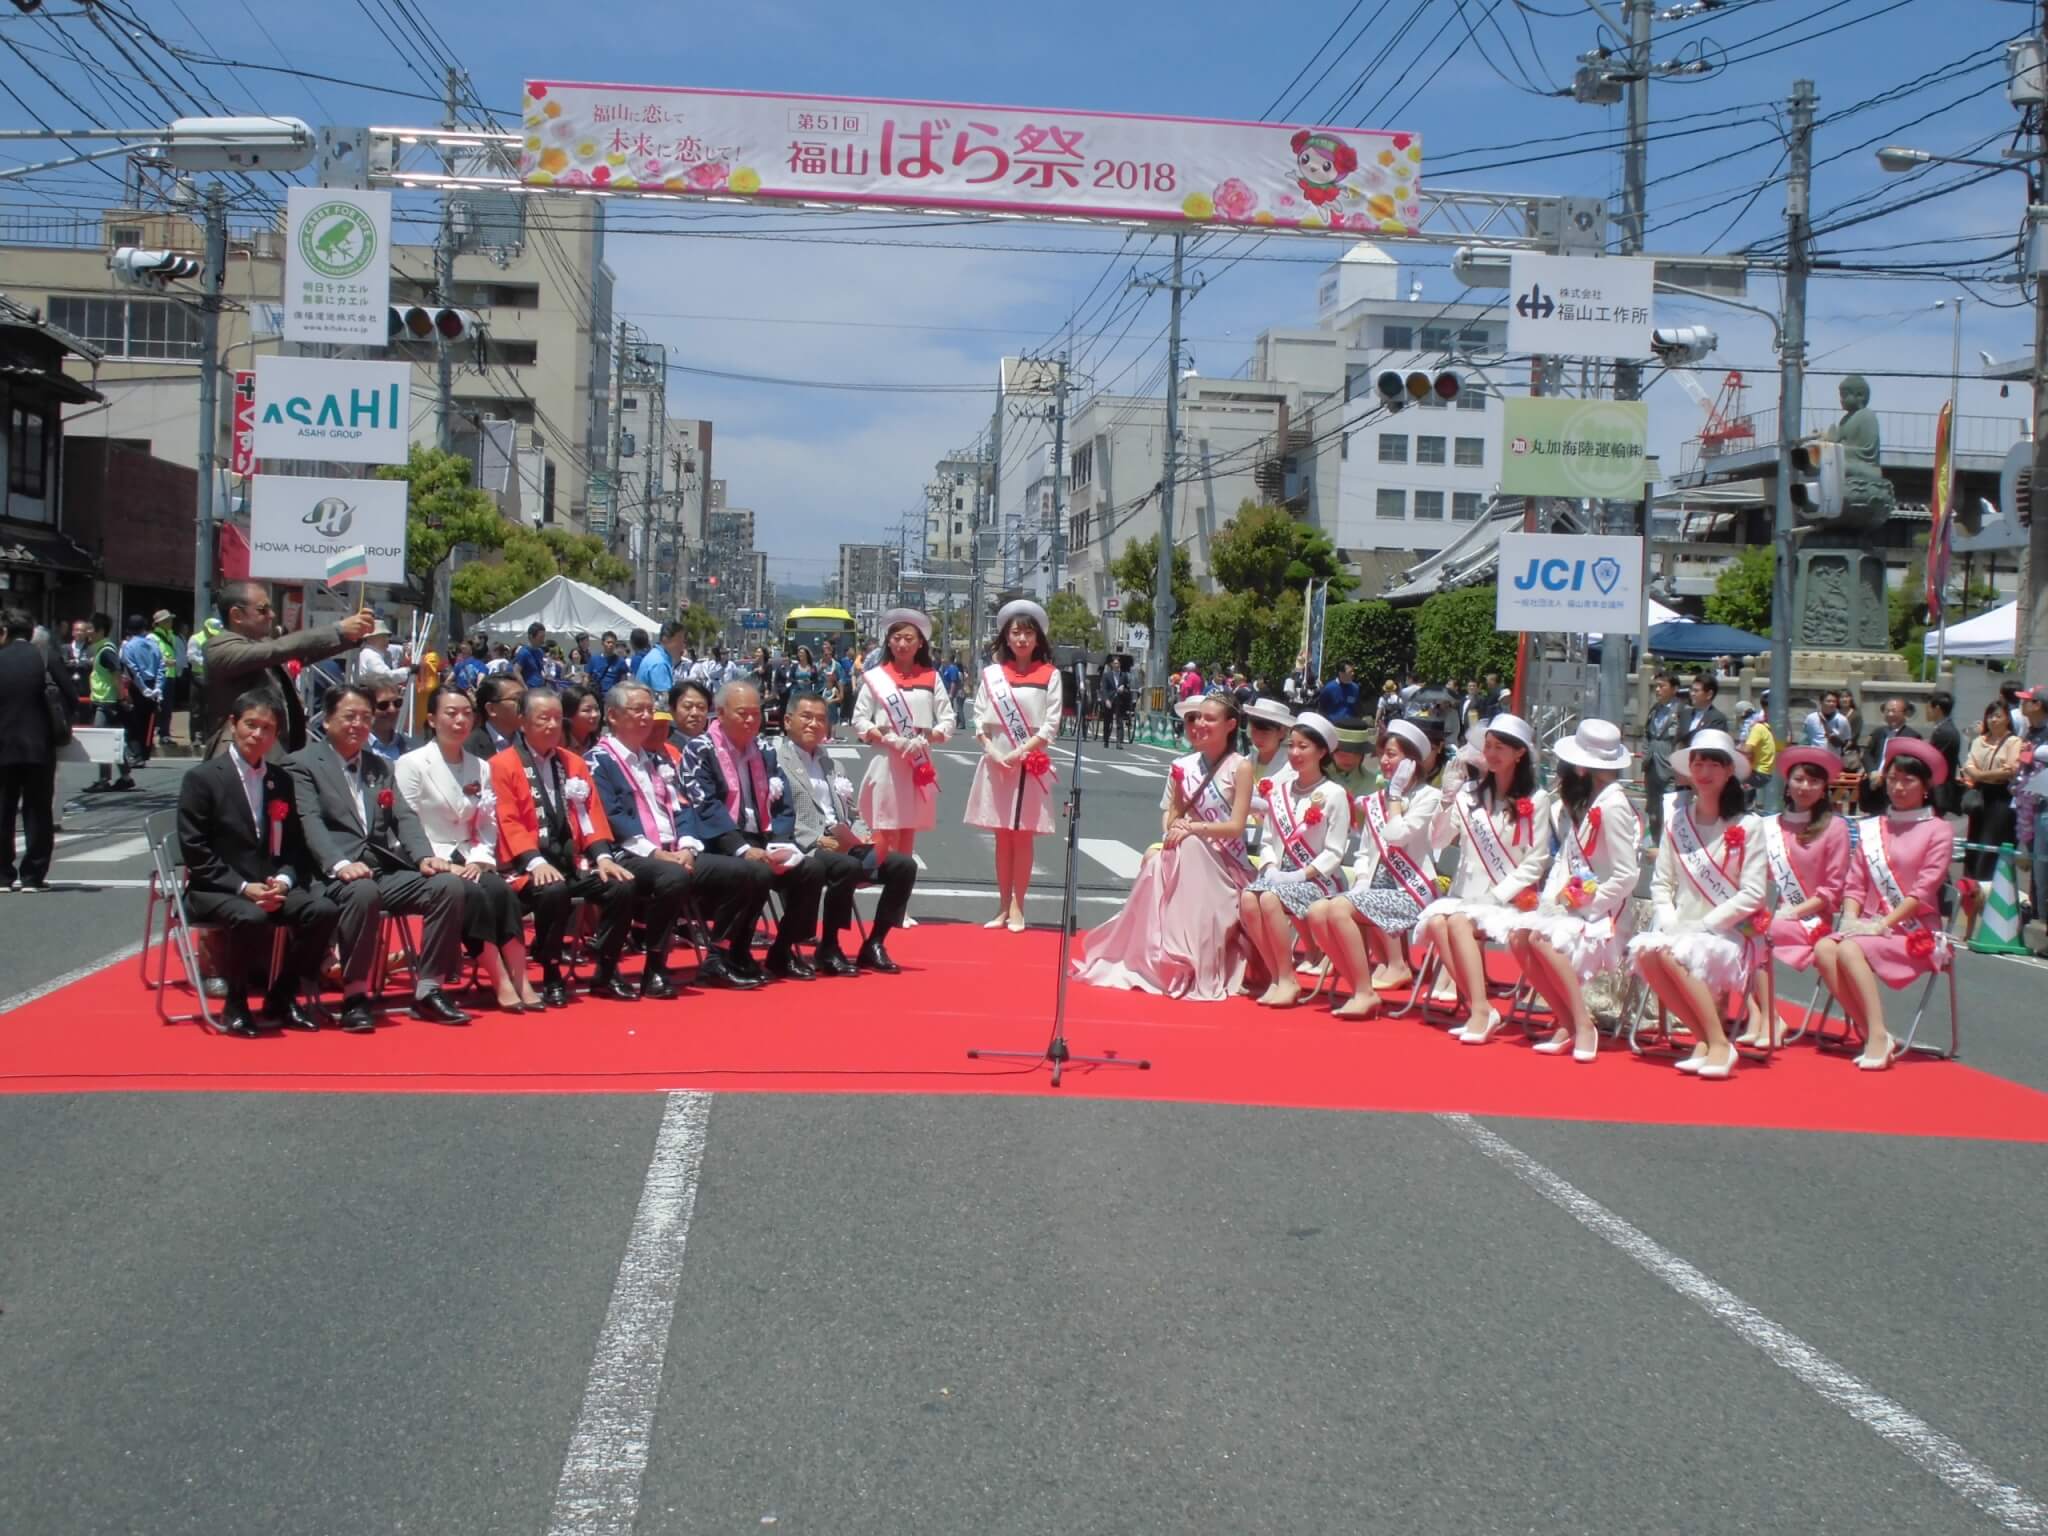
{"points": [[1179, 935], [1807, 848], [1017, 711], [1890, 932]]}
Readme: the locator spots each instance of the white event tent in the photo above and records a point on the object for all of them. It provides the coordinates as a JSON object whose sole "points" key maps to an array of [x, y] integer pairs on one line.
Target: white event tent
{"points": [[568, 607], [1991, 635]]}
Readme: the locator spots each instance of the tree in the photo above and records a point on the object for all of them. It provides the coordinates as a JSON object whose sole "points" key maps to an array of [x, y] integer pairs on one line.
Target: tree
{"points": [[1136, 571], [700, 629], [1742, 592], [1215, 628], [442, 509], [1072, 622], [1264, 550], [526, 559], [1455, 637], [1375, 637]]}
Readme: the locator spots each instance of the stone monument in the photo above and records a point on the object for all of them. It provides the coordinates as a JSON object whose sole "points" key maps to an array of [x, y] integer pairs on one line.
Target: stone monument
{"points": [[1838, 593]]}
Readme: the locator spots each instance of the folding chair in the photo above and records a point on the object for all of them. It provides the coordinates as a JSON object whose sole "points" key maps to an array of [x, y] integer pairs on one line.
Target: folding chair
{"points": [[1947, 944], [1664, 1033], [166, 903]]}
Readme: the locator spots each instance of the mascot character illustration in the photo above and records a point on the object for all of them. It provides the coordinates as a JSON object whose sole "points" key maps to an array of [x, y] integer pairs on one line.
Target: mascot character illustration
{"points": [[1321, 162]]}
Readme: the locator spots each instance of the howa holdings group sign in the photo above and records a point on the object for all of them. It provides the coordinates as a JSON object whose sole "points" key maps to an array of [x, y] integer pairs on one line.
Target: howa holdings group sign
{"points": [[297, 521]]}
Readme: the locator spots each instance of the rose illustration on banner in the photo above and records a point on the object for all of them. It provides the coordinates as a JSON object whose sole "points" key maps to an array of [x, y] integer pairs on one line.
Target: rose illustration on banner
{"points": [[706, 177], [1235, 200]]}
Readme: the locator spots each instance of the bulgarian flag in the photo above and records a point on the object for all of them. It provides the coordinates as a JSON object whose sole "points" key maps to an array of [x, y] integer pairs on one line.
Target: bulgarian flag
{"points": [[351, 564], [1942, 511]]}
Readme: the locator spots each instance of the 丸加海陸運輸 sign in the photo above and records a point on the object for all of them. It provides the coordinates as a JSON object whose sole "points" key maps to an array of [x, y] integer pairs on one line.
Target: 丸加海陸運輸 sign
{"points": [[1560, 447], [772, 147]]}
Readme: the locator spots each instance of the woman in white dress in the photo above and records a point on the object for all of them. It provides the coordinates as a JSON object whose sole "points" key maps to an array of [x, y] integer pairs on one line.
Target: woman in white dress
{"points": [[1580, 926], [1267, 722], [1017, 709], [1709, 897], [900, 710], [1308, 820], [1500, 821], [1394, 876], [450, 789]]}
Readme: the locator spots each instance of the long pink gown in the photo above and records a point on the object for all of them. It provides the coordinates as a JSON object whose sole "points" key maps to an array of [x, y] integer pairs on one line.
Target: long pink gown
{"points": [[1178, 935], [1920, 852], [1822, 867]]}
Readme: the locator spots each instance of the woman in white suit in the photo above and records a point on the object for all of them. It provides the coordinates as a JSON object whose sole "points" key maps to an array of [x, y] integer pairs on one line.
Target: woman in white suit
{"points": [[1580, 924], [1309, 821], [450, 789]]}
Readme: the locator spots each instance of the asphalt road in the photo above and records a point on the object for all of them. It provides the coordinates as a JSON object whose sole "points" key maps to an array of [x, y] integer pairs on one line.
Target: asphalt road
{"points": [[329, 1314]]}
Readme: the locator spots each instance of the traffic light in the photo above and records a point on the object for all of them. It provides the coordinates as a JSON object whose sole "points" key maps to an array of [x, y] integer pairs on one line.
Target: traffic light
{"points": [[151, 269], [424, 322], [1817, 482], [1397, 389], [1680, 344]]}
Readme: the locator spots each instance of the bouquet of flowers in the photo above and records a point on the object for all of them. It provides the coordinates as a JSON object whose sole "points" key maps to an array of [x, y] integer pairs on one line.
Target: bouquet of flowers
{"points": [[1920, 943], [1579, 891]]}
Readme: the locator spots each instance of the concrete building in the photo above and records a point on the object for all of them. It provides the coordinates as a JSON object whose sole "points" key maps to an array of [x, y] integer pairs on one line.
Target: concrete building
{"points": [[729, 560], [532, 270], [950, 499], [48, 565], [869, 576], [1029, 566]]}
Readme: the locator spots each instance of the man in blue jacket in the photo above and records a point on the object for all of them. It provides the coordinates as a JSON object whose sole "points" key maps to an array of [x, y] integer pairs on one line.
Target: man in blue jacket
{"points": [[607, 668], [530, 661], [1338, 698]]}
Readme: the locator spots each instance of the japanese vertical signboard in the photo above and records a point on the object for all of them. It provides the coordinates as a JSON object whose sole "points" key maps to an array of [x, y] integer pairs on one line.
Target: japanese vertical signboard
{"points": [[337, 266], [242, 456], [768, 147], [1580, 306], [1578, 448], [1569, 583]]}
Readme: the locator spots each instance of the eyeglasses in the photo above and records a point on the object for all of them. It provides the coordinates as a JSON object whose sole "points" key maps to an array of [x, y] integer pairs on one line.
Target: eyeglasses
{"points": [[387, 706]]}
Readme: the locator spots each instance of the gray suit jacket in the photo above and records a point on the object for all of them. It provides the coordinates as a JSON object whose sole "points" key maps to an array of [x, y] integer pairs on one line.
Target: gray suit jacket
{"points": [[335, 829], [811, 818], [235, 665]]}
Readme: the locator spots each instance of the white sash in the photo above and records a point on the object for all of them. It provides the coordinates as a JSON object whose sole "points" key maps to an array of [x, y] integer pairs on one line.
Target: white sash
{"points": [[1295, 838], [1009, 713], [1484, 838], [1210, 803], [1790, 891], [1877, 859], [1572, 843], [1393, 856], [893, 700], [1712, 880]]}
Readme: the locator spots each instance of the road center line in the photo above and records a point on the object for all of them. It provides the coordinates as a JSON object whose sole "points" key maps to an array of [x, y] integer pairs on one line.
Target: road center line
{"points": [[1921, 1443], [599, 1490], [28, 995]]}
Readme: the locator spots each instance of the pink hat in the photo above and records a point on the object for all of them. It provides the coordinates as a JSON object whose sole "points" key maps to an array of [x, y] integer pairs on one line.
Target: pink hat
{"points": [[1809, 757], [1908, 746]]}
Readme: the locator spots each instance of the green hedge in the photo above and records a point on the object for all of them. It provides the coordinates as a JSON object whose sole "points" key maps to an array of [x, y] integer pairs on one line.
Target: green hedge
{"points": [[1376, 638], [1455, 637]]}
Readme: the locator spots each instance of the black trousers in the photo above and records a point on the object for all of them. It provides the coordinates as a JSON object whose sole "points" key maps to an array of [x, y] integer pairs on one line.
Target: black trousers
{"points": [[490, 911], [727, 894], [843, 871], [550, 904], [30, 791], [437, 899], [802, 889], [659, 891], [138, 726], [311, 917]]}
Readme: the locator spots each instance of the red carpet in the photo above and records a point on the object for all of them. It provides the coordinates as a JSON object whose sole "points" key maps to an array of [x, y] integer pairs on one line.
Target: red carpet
{"points": [[961, 987]]}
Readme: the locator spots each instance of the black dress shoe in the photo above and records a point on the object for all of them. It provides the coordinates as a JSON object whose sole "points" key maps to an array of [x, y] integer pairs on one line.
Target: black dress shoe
{"points": [[714, 972], [235, 1020], [659, 985], [436, 1009], [830, 962], [875, 958], [791, 967], [290, 1013], [358, 1017], [554, 993], [615, 987]]}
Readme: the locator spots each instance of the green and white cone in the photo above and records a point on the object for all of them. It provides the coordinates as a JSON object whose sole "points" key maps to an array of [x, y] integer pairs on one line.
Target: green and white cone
{"points": [[1998, 931]]}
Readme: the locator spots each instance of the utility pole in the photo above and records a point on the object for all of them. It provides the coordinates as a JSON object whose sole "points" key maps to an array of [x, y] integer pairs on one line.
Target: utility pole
{"points": [[613, 519], [1158, 658], [1791, 402], [1059, 464], [214, 279], [444, 267], [2033, 613]]}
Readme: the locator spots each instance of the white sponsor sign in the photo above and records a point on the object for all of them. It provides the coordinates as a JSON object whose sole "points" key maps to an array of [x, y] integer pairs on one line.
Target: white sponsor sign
{"points": [[1569, 583], [337, 265], [335, 409], [1580, 306], [296, 522]]}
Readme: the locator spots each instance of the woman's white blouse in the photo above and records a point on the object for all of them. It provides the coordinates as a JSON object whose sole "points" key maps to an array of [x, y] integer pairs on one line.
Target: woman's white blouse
{"points": [[455, 823]]}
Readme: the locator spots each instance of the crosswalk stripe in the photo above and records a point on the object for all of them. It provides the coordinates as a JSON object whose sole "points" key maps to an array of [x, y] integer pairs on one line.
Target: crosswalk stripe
{"points": [[846, 754], [110, 853], [1133, 769], [1119, 858]]}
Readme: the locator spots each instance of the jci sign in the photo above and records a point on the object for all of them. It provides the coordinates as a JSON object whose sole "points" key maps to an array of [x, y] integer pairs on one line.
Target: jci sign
{"points": [[1569, 583], [341, 411]]}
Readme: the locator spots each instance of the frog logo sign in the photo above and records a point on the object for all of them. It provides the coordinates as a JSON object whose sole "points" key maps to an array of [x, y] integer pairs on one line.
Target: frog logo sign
{"points": [[337, 240], [331, 516]]}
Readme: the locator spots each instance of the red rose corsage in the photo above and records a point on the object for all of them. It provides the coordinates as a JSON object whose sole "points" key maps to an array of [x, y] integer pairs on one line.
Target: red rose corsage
{"points": [[385, 799], [1525, 902], [923, 774], [1592, 828], [1525, 813], [279, 810], [1179, 774], [1037, 762], [1266, 788], [1313, 816], [1920, 944], [1736, 839]]}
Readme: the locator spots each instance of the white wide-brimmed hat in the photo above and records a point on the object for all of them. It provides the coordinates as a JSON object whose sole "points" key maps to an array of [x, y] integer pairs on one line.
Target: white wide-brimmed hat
{"points": [[1414, 735], [1270, 712], [1188, 707], [1514, 727], [1023, 608], [915, 618], [1317, 726], [1709, 741], [1596, 744]]}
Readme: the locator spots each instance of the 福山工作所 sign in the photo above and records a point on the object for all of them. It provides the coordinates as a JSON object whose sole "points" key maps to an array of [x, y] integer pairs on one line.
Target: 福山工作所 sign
{"points": [[760, 146], [1569, 583], [337, 266], [335, 409], [1580, 306], [1559, 447], [297, 523]]}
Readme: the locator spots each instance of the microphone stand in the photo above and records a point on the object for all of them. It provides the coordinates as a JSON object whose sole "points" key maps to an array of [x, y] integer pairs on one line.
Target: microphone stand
{"points": [[1055, 1053]]}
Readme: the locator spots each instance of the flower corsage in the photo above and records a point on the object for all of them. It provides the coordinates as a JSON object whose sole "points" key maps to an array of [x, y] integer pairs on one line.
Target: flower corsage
{"points": [[277, 811], [1038, 762]]}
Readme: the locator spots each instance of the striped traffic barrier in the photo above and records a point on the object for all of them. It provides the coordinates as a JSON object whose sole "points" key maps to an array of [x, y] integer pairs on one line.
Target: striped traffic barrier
{"points": [[1998, 928]]}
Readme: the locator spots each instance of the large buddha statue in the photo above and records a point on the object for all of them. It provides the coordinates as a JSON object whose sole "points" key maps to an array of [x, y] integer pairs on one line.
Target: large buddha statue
{"points": [[1867, 497]]}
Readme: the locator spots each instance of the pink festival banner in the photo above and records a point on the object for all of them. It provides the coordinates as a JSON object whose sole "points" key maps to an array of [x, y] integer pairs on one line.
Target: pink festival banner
{"points": [[764, 147]]}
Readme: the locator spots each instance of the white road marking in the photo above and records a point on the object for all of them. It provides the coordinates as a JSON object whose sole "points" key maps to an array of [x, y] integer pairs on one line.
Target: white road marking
{"points": [[1920, 1442], [921, 865], [1135, 770], [110, 853], [986, 893], [599, 1490], [1120, 859], [845, 754], [77, 973]]}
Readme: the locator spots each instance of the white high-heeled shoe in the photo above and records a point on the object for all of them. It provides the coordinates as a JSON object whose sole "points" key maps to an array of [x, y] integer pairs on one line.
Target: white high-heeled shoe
{"points": [[1713, 1072], [1493, 1022], [1869, 1063], [1586, 1053], [1556, 1045], [1692, 1063]]}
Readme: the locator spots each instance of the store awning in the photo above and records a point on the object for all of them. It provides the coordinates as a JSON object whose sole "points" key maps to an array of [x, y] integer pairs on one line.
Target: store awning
{"points": [[22, 544]]}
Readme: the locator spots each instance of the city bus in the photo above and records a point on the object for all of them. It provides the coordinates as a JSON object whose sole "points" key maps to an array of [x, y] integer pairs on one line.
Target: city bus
{"points": [[814, 626]]}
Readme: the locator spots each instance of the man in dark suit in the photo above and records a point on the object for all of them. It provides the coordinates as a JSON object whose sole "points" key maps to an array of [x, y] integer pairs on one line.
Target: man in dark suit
{"points": [[28, 751], [374, 858], [1872, 799], [737, 805], [1943, 736], [499, 699], [827, 829], [247, 870], [249, 654], [1704, 714]]}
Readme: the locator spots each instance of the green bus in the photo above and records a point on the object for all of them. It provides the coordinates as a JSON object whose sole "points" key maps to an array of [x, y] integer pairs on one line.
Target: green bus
{"points": [[814, 626]]}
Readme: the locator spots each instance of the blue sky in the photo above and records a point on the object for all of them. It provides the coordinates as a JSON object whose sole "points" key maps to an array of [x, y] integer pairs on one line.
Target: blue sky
{"points": [[823, 466]]}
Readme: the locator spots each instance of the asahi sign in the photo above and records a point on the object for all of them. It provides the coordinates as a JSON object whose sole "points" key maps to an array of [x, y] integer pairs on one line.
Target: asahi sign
{"points": [[332, 409], [337, 266], [297, 522]]}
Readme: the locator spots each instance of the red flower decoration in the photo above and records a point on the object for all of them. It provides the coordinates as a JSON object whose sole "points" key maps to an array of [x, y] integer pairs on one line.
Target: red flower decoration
{"points": [[922, 774], [279, 810], [1966, 891], [1525, 808], [1736, 839], [385, 800], [1313, 815], [1266, 788], [1920, 944], [1037, 763], [1179, 774], [1526, 901], [1592, 827]]}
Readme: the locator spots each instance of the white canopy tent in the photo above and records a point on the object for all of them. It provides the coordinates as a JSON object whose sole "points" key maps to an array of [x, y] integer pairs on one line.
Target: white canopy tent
{"points": [[1990, 635], [568, 607]]}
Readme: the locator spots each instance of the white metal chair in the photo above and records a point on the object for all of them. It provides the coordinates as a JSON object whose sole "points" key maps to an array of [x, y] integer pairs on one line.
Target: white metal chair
{"points": [[1949, 943], [168, 926]]}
